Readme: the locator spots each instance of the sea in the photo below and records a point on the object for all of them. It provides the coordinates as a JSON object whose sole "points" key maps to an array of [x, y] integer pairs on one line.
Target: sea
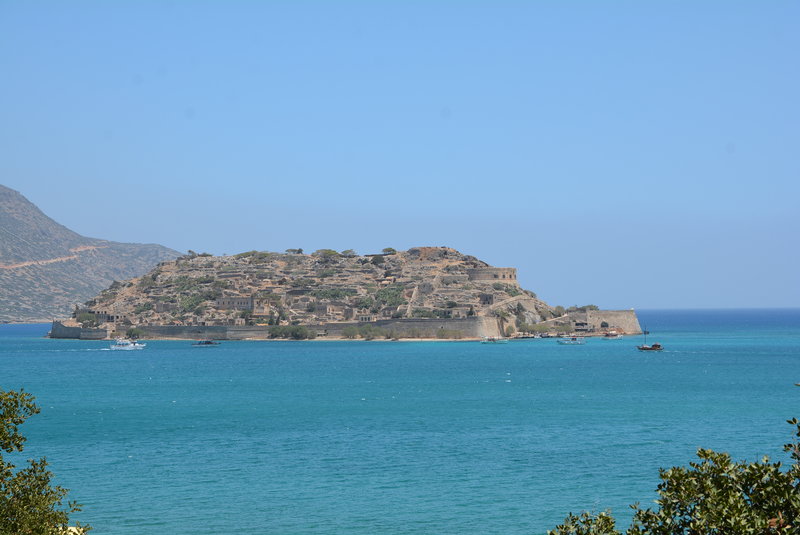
{"points": [[381, 437]]}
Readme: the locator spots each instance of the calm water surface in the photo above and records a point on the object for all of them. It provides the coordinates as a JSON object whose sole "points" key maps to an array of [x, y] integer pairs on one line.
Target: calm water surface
{"points": [[398, 438]]}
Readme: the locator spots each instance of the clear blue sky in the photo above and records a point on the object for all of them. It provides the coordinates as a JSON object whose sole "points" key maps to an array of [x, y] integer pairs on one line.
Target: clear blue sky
{"points": [[626, 154]]}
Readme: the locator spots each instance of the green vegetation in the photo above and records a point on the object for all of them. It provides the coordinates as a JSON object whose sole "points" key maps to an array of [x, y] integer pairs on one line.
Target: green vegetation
{"points": [[435, 313], [559, 311], [533, 328], [389, 250], [148, 281], [87, 320], [144, 307], [377, 260], [351, 331], [349, 253], [192, 302], [294, 251], [391, 295], [255, 256], [29, 502], [184, 284], [370, 332], [714, 496], [295, 332], [449, 334], [364, 302], [513, 291], [333, 294], [584, 308], [326, 254], [134, 332]]}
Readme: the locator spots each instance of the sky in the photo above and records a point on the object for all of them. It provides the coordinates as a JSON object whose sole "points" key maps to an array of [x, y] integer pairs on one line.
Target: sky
{"points": [[623, 154]]}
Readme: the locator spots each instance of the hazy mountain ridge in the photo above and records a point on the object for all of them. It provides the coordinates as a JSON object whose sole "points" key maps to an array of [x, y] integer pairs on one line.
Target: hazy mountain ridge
{"points": [[46, 268]]}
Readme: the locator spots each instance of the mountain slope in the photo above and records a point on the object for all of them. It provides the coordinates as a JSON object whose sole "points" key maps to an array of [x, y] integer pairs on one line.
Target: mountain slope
{"points": [[45, 268]]}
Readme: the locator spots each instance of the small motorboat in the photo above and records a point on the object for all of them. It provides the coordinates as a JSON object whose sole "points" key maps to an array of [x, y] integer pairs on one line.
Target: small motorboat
{"points": [[612, 335], [572, 341], [125, 344], [494, 340], [205, 343]]}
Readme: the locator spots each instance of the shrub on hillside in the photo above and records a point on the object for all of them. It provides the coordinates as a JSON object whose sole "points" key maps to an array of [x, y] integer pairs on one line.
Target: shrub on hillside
{"points": [[714, 496]]}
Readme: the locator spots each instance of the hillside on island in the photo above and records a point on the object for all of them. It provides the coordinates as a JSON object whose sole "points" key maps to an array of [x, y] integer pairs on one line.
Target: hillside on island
{"points": [[45, 268], [425, 291]]}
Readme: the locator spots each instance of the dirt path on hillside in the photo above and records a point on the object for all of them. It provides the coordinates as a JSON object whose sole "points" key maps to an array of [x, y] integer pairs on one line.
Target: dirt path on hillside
{"points": [[80, 248]]}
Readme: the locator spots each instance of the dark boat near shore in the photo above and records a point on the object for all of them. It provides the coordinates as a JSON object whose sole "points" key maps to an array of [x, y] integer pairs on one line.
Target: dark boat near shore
{"points": [[654, 347], [645, 347], [205, 343]]}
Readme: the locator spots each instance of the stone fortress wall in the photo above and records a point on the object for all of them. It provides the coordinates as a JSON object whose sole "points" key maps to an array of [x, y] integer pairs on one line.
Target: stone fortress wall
{"points": [[493, 274], [472, 327], [59, 330], [621, 320], [592, 321]]}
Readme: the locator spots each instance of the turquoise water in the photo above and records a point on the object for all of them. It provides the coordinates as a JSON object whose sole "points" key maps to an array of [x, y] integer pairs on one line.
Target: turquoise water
{"points": [[396, 437]]}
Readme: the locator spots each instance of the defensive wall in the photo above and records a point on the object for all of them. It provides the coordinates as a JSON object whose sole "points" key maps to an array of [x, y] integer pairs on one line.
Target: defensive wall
{"points": [[624, 320], [493, 274], [619, 320], [471, 327], [598, 321], [59, 330]]}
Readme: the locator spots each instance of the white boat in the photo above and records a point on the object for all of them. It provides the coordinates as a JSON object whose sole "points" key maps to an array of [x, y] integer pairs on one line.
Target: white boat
{"points": [[572, 341], [612, 335], [493, 340], [126, 345]]}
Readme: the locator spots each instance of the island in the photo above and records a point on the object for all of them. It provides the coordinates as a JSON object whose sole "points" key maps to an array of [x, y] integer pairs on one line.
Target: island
{"points": [[421, 293]]}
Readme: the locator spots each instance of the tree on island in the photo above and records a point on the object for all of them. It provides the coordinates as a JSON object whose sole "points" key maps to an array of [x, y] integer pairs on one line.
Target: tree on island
{"points": [[715, 496], [29, 502]]}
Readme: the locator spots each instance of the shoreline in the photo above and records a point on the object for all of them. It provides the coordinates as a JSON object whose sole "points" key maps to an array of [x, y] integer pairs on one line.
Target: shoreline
{"points": [[337, 339]]}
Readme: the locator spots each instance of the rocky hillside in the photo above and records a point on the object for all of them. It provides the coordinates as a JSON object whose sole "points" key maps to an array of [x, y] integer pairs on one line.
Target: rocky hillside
{"points": [[45, 268], [327, 286]]}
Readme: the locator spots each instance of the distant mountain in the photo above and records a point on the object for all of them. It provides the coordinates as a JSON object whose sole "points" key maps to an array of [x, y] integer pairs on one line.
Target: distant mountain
{"points": [[46, 269]]}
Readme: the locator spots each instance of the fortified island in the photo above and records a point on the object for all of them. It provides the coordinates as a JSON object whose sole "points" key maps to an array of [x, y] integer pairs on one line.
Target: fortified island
{"points": [[425, 292]]}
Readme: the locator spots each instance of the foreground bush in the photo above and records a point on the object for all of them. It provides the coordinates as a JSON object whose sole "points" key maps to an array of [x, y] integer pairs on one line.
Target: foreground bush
{"points": [[714, 496], [29, 503]]}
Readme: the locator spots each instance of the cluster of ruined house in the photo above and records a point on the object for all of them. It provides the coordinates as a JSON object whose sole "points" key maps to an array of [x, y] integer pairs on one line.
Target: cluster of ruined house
{"points": [[304, 305]]}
